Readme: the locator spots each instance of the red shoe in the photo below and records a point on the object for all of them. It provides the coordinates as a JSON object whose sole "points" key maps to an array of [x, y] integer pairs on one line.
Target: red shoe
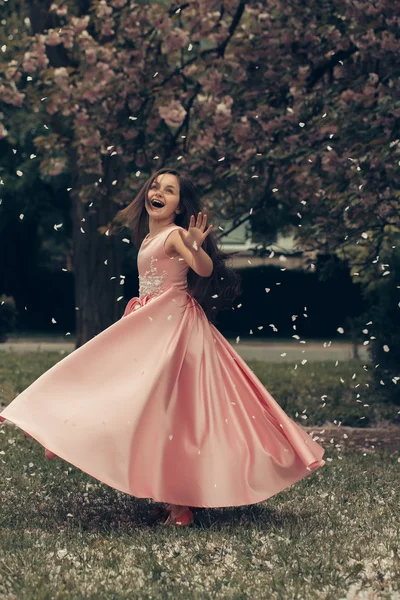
{"points": [[2, 419], [183, 518], [49, 454]]}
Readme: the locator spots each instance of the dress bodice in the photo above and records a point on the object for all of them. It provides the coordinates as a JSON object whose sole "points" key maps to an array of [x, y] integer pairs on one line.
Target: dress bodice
{"points": [[157, 271]]}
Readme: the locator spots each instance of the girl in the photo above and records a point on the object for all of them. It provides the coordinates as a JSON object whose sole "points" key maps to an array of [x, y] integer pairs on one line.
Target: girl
{"points": [[159, 405]]}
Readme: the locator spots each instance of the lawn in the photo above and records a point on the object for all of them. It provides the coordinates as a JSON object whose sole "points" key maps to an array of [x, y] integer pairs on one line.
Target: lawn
{"points": [[66, 535]]}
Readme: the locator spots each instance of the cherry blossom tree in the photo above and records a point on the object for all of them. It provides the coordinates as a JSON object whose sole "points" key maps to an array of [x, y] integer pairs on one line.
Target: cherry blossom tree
{"points": [[286, 112]]}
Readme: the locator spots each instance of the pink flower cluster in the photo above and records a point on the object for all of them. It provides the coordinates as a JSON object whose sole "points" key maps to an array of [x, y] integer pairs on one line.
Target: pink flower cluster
{"points": [[173, 113], [10, 95], [251, 103], [174, 40], [36, 58]]}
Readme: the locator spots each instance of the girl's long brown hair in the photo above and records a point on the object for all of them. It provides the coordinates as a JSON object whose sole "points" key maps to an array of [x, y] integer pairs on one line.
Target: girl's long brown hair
{"points": [[223, 281]]}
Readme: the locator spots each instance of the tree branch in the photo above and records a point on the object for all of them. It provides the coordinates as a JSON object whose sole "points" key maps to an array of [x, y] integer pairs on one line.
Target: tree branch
{"points": [[327, 66], [219, 50], [258, 206]]}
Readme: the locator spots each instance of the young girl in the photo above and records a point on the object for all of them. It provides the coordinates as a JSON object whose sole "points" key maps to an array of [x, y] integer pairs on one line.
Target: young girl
{"points": [[159, 405]]}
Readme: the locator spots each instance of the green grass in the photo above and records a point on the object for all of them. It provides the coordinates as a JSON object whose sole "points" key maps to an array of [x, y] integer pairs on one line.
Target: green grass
{"points": [[299, 391], [65, 535]]}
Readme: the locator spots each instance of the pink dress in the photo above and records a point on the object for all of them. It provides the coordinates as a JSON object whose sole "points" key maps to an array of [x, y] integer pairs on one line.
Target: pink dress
{"points": [[159, 405]]}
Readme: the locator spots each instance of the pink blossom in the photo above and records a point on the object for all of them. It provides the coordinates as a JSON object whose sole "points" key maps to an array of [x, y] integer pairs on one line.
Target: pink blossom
{"points": [[80, 23], [227, 100], [172, 113], [107, 55], [17, 99], [11, 96], [130, 33], [67, 35], [12, 71], [29, 63], [85, 40], [42, 59], [66, 110], [205, 140], [191, 70], [369, 90], [81, 120], [349, 96], [389, 42], [103, 10], [223, 116], [53, 38], [60, 11], [91, 95], [296, 92], [223, 110], [241, 132], [334, 35], [90, 55], [61, 77], [371, 10], [52, 108], [303, 72], [55, 166], [38, 50], [176, 39], [107, 27], [211, 81]]}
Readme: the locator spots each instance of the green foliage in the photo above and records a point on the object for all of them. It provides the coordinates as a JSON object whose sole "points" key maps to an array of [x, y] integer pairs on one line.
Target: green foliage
{"points": [[384, 315], [8, 316]]}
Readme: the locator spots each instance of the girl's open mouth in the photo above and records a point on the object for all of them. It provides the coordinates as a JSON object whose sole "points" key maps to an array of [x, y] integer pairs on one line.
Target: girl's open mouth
{"points": [[157, 204]]}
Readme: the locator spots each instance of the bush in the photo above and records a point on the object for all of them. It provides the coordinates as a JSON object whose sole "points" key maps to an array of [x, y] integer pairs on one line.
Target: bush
{"points": [[8, 316], [384, 312]]}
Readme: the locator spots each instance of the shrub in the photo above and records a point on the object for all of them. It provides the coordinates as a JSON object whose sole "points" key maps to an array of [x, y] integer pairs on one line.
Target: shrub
{"points": [[8, 316]]}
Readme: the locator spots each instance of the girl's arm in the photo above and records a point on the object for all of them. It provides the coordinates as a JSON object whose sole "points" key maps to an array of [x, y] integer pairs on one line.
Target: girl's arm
{"points": [[198, 260]]}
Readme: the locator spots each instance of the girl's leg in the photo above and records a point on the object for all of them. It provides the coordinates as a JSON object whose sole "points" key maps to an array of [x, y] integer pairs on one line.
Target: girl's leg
{"points": [[175, 509]]}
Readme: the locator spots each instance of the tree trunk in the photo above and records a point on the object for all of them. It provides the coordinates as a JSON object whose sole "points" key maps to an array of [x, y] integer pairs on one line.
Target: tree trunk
{"points": [[96, 293]]}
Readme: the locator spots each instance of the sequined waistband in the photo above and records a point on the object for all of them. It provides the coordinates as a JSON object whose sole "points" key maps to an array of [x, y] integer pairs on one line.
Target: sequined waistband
{"points": [[138, 301]]}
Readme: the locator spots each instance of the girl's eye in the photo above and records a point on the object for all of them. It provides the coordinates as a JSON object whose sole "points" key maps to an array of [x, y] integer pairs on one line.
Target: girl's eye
{"points": [[169, 190]]}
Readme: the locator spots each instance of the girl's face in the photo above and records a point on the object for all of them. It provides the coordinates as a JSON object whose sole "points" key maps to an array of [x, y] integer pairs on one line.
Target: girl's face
{"points": [[164, 189]]}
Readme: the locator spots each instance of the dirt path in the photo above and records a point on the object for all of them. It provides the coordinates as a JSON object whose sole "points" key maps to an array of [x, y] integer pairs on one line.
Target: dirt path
{"points": [[361, 439]]}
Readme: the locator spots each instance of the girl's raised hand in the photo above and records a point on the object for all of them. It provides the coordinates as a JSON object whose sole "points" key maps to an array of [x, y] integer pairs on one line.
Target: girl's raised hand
{"points": [[195, 236]]}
